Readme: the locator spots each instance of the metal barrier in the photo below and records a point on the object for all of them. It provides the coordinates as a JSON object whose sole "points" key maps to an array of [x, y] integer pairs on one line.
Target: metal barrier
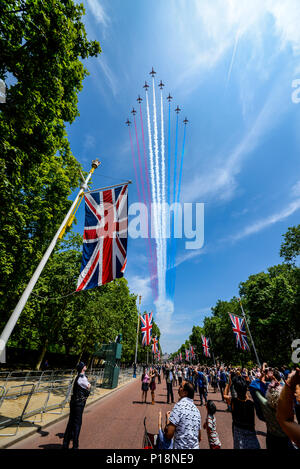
{"points": [[43, 392], [12, 413]]}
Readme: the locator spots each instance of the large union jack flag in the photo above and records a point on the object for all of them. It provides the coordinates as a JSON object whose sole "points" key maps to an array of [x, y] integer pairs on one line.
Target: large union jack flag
{"points": [[146, 328], [205, 345], [104, 238], [154, 345], [192, 351], [239, 329]]}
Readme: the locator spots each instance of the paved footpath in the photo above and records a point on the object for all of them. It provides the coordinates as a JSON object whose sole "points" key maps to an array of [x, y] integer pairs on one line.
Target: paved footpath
{"points": [[116, 422]]}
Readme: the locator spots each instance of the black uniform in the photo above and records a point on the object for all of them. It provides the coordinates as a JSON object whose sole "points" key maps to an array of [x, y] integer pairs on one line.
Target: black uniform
{"points": [[77, 404]]}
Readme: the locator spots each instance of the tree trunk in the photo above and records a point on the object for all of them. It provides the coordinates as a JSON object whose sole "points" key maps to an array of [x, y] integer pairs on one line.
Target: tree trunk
{"points": [[42, 354]]}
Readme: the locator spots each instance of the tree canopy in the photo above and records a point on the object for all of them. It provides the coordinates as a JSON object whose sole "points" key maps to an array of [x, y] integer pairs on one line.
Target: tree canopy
{"points": [[41, 44], [271, 301]]}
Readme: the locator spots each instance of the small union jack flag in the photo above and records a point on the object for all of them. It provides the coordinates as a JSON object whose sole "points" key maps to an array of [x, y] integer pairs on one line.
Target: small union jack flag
{"points": [[146, 328], [104, 238], [154, 345], [187, 355], [180, 357], [192, 351], [239, 329], [205, 345]]}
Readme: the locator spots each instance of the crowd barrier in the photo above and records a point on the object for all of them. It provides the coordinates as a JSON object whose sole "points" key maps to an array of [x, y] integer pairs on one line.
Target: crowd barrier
{"points": [[25, 396]]}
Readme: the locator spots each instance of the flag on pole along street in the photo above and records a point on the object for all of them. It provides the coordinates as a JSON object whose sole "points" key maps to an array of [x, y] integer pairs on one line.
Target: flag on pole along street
{"points": [[205, 345], [146, 328], [105, 237], [180, 357], [239, 329], [187, 355], [154, 345], [192, 352]]}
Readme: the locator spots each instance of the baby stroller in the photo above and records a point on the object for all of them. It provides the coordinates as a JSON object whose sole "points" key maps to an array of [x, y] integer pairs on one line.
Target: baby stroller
{"points": [[149, 441], [156, 441]]}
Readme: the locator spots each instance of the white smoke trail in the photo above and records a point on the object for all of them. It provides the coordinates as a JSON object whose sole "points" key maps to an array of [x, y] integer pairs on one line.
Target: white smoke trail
{"points": [[161, 283], [163, 190], [154, 198]]}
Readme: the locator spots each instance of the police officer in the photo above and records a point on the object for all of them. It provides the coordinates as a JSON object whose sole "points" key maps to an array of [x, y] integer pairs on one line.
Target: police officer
{"points": [[81, 391]]}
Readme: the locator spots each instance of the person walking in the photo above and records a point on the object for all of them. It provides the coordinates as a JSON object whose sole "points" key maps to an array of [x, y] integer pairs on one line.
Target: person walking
{"points": [[152, 384], [80, 393], [184, 420], [202, 385], [222, 382], [145, 385], [169, 381]]}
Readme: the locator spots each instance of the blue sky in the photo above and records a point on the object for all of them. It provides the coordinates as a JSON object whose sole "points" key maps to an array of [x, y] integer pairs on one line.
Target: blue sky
{"points": [[230, 66]]}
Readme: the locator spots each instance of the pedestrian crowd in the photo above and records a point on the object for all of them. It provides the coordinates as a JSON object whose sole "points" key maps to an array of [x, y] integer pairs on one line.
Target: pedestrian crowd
{"points": [[271, 394]]}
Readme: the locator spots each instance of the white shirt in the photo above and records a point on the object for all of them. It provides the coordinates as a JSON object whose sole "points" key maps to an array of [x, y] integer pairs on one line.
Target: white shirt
{"points": [[187, 419], [83, 381]]}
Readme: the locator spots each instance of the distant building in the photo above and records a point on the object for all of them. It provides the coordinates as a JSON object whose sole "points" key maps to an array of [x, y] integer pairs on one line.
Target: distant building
{"points": [[165, 357]]}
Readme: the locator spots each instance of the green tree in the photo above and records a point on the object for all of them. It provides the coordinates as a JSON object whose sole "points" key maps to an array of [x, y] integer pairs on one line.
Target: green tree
{"points": [[290, 248], [41, 44]]}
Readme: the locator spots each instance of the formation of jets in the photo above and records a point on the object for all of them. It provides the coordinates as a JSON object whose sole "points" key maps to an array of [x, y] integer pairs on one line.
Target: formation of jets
{"points": [[146, 86]]}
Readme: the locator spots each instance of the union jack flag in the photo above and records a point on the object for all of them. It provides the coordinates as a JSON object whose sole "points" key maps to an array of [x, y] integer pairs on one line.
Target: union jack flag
{"points": [[239, 329], [205, 345], [154, 345], [192, 351], [146, 328], [104, 238], [187, 355], [180, 357], [158, 355]]}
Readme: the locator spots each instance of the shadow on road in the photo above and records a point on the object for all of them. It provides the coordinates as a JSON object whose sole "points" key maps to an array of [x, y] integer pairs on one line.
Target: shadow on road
{"points": [[52, 446]]}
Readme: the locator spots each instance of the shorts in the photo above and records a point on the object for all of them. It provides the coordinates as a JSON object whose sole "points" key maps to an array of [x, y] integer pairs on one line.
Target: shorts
{"points": [[145, 386]]}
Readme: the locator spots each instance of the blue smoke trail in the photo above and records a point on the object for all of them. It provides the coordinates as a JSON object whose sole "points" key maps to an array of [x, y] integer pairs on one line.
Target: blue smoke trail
{"points": [[168, 277], [173, 242], [177, 200]]}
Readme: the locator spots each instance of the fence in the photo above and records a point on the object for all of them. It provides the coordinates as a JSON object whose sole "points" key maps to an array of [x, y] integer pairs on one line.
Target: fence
{"points": [[26, 396]]}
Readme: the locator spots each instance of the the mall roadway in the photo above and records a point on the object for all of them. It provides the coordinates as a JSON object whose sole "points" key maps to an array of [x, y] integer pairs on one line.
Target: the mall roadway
{"points": [[116, 422]]}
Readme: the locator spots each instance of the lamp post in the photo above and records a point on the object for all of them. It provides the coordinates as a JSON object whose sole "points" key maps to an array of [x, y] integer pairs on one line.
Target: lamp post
{"points": [[137, 336]]}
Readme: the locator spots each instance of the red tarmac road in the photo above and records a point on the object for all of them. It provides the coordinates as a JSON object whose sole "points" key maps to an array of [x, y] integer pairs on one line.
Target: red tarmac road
{"points": [[116, 422]]}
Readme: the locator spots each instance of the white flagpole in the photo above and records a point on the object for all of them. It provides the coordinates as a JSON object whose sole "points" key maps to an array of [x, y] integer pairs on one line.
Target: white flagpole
{"points": [[257, 359], [23, 300]]}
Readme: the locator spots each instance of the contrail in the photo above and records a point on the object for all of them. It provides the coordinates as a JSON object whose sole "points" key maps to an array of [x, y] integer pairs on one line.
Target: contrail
{"points": [[154, 196], [163, 179], [173, 241], [177, 200], [153, 249], [233, 57], [158, 195], [144, 196]]}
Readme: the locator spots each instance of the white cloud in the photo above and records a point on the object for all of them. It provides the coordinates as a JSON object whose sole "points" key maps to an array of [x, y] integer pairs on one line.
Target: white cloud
{"points": [[211, 29], [98, 12], [296, 189], [221, 182], [264, 223]]}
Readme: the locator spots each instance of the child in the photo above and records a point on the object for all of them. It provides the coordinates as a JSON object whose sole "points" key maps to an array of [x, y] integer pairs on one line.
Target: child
{"points": [[211, 426], [162, 441]]}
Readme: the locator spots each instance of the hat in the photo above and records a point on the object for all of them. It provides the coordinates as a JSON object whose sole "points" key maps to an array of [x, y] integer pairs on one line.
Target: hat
{"points": [[80, 367]]}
